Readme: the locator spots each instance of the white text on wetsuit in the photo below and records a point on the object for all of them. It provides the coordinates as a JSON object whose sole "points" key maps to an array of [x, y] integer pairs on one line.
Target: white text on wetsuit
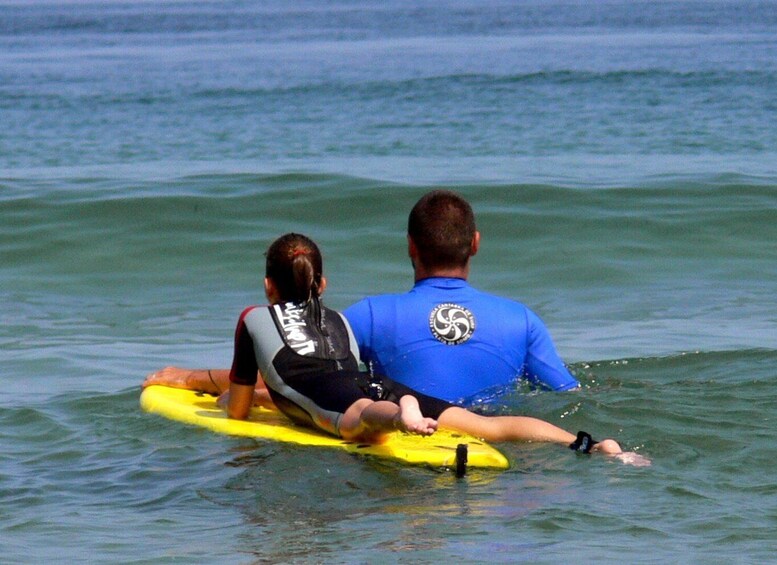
{"points": [[294, 326]]}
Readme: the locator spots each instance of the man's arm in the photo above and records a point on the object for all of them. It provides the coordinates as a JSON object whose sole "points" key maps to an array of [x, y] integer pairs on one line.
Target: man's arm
{"points": [[543, 364], [212, 381]]}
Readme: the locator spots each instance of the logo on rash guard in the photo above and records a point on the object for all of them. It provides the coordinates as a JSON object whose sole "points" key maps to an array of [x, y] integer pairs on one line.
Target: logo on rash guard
{"points": [[451, 324], [294, 327]]}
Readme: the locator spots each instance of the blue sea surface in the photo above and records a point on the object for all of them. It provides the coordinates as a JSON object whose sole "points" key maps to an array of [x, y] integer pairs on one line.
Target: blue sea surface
{"points": [[621, 160]]}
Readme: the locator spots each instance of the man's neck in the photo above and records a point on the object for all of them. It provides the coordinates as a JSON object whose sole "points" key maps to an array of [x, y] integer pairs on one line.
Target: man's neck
{"points": [[422, 273]]}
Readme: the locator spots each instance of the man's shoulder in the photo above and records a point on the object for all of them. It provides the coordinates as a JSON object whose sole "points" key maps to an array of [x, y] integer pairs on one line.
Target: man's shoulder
{"points": [[362, 315], [378, 299], [497, 299]]}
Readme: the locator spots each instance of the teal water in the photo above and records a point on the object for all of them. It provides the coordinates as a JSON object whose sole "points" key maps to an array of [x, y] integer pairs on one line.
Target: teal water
{"points": [[620, 159]]}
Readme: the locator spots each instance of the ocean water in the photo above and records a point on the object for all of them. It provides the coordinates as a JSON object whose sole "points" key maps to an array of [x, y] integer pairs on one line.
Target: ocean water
{"points": [[621, 160]]}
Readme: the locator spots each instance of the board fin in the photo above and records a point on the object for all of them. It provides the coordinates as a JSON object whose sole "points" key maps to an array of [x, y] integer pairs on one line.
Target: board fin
{"points": [[461, 460]]}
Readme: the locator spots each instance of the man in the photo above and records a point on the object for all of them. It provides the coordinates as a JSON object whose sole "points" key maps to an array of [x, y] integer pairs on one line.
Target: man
{"points": [[444, 338]]}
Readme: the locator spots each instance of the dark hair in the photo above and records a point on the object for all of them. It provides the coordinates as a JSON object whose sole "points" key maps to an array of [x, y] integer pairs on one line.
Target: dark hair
{"points": [[294, 264], [442, 226]]}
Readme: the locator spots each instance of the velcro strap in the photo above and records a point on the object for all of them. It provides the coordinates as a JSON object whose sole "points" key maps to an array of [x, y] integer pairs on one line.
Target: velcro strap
{"points": [[583, 443]]}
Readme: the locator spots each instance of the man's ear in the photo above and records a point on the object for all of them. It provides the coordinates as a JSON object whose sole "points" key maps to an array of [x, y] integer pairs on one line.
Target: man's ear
{"points": [[475, 244], [412, 249], [322, 286]]}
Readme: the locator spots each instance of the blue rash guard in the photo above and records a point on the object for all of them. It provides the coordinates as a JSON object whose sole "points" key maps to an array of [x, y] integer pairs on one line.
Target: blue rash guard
{"points": [[446, 339]]}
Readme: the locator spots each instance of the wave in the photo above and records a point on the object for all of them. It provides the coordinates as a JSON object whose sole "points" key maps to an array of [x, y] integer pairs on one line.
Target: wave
{"points": [[723, 367], [733, 211], [364, 88]]}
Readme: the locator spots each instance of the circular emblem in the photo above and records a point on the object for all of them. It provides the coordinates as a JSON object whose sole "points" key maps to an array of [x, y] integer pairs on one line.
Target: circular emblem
{"points": [[451, 324]]}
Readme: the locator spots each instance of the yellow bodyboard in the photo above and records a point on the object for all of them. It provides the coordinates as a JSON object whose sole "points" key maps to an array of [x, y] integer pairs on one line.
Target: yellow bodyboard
{"points": [[437, 450]]}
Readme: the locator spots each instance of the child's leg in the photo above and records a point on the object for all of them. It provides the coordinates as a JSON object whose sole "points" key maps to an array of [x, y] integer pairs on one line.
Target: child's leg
{"points": [[369, 420]]}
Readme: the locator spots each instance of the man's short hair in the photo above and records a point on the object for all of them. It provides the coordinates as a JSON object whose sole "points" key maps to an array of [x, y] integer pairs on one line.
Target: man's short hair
{"points": [[442, 226]]}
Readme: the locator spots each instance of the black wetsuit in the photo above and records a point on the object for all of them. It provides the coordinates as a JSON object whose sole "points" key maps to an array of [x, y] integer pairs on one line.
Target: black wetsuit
{"points": [[307, 356]]}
